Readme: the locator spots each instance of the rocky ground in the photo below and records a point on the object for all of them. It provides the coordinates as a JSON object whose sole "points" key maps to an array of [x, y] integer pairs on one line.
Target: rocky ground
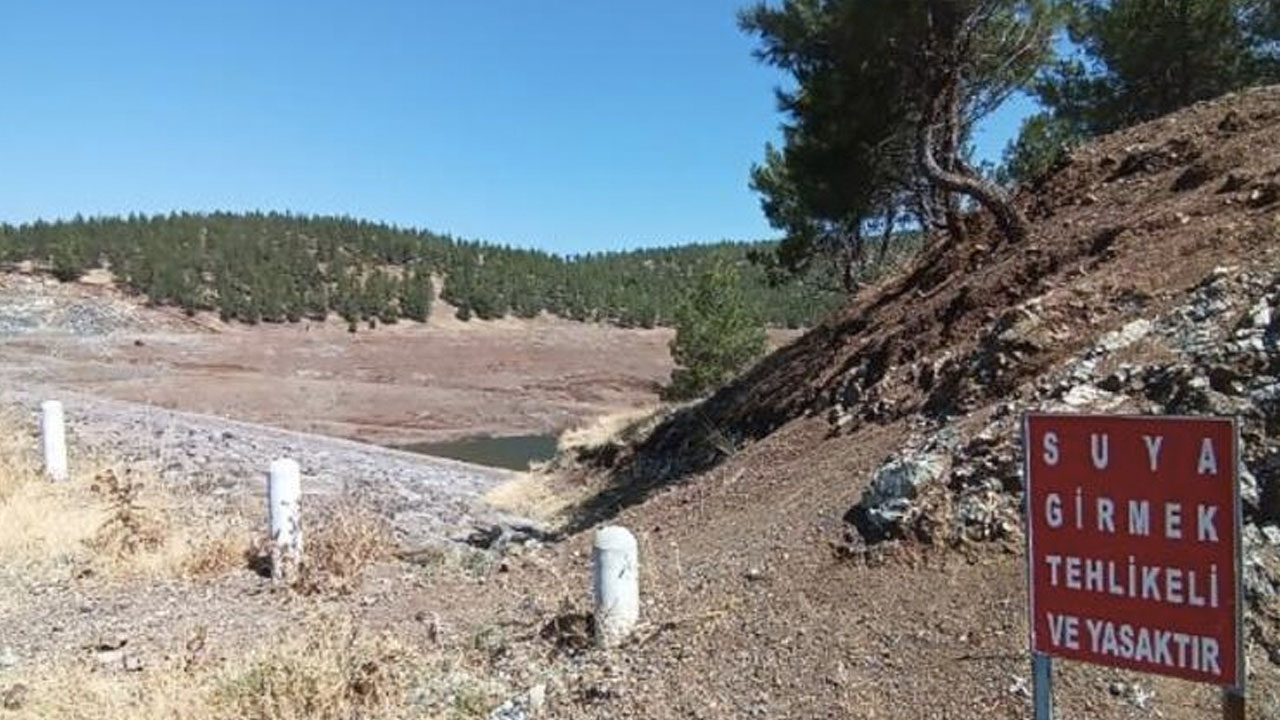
{"points": [[35, 304], [847, 517], [1216, 354], [428, 500]]}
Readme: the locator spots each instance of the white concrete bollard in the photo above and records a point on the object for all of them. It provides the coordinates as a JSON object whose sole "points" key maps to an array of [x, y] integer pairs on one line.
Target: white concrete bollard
{"points": [[53, 436], [615, 567], [284, 495]]}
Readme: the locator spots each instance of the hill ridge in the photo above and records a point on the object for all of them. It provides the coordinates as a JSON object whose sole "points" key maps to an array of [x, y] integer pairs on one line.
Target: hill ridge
{"points": [[1149, 285], [276, 267]]}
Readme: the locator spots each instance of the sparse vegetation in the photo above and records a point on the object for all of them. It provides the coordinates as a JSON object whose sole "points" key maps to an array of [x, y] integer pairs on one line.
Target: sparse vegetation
{"points": [[326, 668], [329, 665], [109, 521], [328, 671], [347, 539], [131, 527], [1134, 60]]}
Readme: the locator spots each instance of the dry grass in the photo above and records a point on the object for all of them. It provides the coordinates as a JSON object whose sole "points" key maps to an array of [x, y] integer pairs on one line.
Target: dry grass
{"points": [[603, 429], [331, 671], [43, 526], [115, 525], [326, 669], [545, 494], [17, 455], [107, 520], [348, 538], [118, 523], [537, 496], [217, 555]]}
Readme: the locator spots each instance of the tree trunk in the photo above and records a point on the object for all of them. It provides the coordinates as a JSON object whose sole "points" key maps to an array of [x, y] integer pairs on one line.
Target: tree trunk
{"points": [[889, 221], [1008, 219], [927, 211], [941, 87], [950, 154], [954, 220], [850, 255]]}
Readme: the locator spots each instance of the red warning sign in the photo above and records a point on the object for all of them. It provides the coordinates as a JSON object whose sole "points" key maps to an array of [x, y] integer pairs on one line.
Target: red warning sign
{"points": [[1133, 543]]}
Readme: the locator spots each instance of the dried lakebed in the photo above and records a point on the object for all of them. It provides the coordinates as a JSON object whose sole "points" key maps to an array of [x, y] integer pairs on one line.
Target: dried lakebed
{"points": [[427, 499]]}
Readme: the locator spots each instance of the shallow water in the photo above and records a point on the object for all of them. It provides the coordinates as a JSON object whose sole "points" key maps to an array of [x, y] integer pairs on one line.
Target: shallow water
{"points": [[513, 452]]}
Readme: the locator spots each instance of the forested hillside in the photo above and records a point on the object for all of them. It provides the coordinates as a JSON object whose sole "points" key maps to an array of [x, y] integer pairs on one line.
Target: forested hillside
{"points": [[274, 267]]}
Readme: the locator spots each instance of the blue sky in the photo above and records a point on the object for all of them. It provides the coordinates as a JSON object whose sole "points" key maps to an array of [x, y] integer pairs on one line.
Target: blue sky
{"points": [[567, 125]]}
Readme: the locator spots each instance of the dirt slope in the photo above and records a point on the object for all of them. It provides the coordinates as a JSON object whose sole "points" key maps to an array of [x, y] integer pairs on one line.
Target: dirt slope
{"points": [[1148, 285]]}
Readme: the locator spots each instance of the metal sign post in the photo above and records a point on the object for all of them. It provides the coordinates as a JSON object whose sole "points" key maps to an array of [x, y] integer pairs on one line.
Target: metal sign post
{"points": [[1042, 685], [1233, 704]]}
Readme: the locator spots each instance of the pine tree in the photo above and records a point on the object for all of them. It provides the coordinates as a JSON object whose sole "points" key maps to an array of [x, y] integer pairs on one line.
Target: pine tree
{"points": [[416, 300], [68, 262], [718, 334]]}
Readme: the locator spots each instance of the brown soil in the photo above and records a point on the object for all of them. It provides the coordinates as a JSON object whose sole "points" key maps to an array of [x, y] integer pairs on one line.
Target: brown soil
{"points": [[738, 501], [400, 384], [395, 385]]}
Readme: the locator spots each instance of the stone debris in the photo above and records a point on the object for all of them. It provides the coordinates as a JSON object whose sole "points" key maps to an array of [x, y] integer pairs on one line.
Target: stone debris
{"points": [[889, 500], [35, 305], [527, 706], [14, 697], [1223, 345], [427, 499], [1125, 336], [1091, 396], [1134, 693]]}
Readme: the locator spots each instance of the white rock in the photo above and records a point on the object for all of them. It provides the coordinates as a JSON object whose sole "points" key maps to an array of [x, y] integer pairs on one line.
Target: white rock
{"points": [[1271, 534], [1125, 336], [900, 478], [1260, 314], [1250, 493], [537, 699], [1091, 396]]}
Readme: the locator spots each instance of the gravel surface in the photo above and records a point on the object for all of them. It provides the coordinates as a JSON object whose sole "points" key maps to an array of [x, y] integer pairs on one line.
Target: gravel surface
{"points": [[428, 499], [33, 304]]}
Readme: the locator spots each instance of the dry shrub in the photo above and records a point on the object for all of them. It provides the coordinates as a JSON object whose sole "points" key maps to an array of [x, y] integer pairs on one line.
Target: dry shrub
{"points": [[18, 455], [217, 555], [331, 671], [132, 527], [348, 538]]}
